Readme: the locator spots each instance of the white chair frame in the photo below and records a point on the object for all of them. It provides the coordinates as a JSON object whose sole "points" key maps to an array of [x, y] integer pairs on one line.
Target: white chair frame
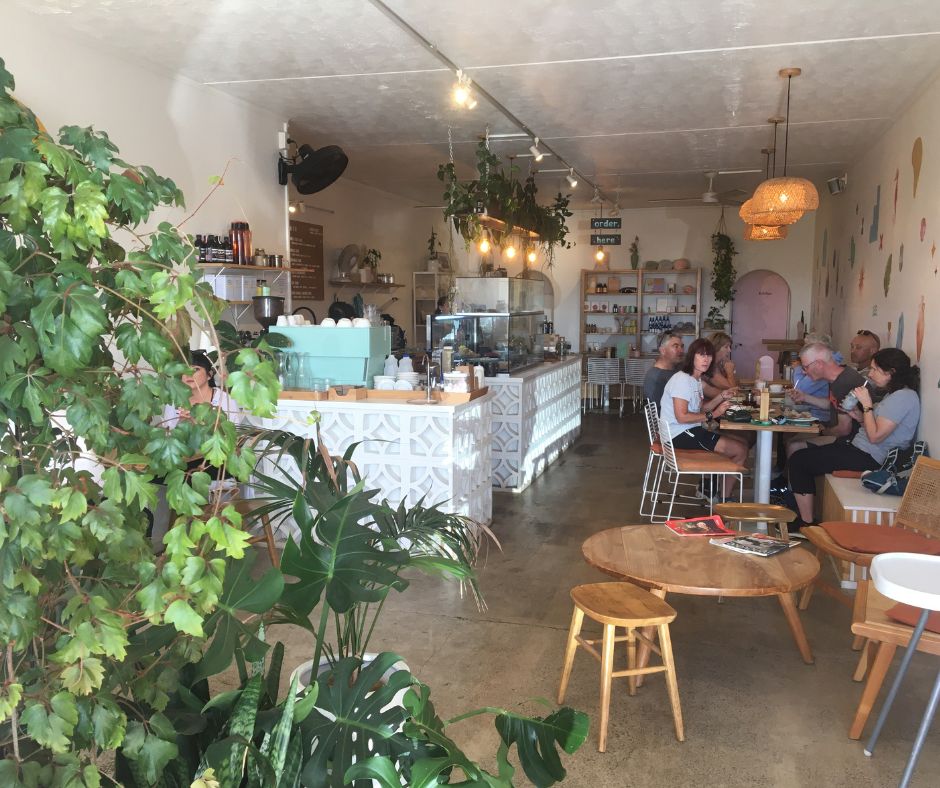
{"points": [[670, 463], [653, 477], [604, 372], [634, 375]]}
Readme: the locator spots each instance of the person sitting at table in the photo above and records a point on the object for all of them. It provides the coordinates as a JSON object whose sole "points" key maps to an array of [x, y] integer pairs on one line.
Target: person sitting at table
{"points": [[819, 363], [671, 351], [724, 375], [862, 348], [685, 412], [201, 382], [892, 423]]}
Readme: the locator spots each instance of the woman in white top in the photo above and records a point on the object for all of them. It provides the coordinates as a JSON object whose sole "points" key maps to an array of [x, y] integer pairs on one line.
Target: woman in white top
{"points": [[202, 390], [685, 413]]}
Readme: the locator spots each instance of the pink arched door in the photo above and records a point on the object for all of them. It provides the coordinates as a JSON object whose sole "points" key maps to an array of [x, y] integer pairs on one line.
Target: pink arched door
{"points": [[761, 310]]}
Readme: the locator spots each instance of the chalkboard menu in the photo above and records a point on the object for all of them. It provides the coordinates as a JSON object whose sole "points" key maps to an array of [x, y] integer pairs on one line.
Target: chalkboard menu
{"points": [[605, 224], [306, 261]]}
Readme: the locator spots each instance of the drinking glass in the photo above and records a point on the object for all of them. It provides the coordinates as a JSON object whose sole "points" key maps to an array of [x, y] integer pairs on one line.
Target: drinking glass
{"points": [[288, 370]]}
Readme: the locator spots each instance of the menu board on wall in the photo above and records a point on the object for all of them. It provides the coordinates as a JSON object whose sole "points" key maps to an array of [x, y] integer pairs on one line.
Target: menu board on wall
{"points": [[306, 261]]}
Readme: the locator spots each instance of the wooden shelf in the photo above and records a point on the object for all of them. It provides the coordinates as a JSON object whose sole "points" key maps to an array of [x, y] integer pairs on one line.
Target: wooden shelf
{"points": [[235, 268], [499, 225], [363, 285]]}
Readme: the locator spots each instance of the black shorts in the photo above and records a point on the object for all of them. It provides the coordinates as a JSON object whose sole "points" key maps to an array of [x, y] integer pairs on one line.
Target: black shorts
{"points": [[696, 438]]}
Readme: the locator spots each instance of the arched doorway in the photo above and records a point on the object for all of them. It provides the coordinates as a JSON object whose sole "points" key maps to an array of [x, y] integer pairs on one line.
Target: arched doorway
{"points": [[761, 310]]}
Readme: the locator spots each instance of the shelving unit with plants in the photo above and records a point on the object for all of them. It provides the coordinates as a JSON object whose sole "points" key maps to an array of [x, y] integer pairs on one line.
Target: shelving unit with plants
{"points": [[237, 284], [629, 319]]}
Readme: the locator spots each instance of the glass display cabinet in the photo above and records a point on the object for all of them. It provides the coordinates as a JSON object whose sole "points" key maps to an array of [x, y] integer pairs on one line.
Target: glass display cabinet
{"points": [[497, 324]]}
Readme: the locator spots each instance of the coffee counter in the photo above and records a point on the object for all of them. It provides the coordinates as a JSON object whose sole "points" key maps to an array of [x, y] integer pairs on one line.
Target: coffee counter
{"points": [[437, 452], [536, 416]]}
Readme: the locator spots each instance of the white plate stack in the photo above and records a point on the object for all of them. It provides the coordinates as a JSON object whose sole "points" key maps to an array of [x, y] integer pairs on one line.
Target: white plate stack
{"points": [[412, 379]]}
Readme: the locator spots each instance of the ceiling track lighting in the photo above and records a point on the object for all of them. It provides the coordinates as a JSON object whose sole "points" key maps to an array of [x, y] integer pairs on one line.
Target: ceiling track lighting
{"points": [[534, 150], [572, 181], [787, 194]]}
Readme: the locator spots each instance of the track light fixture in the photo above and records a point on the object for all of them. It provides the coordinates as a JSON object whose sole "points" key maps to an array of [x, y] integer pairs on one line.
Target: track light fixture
{"points": [[572, 181], [597, 195], [296, 206], [534, 150]]}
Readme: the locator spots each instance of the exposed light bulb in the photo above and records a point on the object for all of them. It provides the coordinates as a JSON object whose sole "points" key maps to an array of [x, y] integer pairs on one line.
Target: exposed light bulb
{"points": [[461, 94], [572, 181], [600, 254], [292, 208], [532, 256], [510, 252], [471, 102], [484, 246]]}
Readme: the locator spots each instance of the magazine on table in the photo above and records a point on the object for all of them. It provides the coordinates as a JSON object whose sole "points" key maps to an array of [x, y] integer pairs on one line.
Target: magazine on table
{"points": [[753, 544], [699, 526]]}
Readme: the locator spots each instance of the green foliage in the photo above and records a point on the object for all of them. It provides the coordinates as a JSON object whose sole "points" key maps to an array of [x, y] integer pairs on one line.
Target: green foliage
{"points": [[95, 627], [504, 197], [723, 271]]}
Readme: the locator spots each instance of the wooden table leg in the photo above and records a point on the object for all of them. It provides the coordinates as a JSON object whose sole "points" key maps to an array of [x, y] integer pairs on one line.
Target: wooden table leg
{"points": [[796, 626], [643, 654]]}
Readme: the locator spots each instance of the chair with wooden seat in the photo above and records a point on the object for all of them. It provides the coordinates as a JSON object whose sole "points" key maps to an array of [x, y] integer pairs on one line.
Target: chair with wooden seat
{"points": [[654, 464], [628, 607], [702, 464], [775, 516], [916, 529]]}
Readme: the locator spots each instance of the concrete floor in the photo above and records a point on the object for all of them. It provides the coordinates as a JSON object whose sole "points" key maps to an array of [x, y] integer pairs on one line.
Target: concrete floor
{"points": [[755, 715]]}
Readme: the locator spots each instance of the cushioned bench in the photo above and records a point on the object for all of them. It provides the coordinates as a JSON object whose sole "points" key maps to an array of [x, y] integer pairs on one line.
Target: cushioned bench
{"points": [[845, 500]]}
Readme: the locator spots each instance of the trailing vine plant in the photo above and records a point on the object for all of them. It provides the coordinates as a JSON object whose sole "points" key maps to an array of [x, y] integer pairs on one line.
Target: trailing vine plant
{"points": [[724, 274], [95, 626], [498, 193]]}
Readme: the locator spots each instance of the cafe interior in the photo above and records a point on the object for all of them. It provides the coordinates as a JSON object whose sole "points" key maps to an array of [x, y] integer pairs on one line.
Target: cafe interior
{"points": [[747, 212]]}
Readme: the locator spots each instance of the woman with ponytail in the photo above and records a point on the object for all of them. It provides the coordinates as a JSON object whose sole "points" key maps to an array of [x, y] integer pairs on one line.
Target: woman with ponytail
{"points": [[890, 424]]}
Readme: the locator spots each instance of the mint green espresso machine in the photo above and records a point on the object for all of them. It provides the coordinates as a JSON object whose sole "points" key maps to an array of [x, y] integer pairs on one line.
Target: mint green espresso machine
{"points": [[349, 356]]}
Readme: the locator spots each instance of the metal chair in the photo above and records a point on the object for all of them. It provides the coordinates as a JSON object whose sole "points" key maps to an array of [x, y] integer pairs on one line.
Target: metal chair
{"points": [[701, 464], [605, 372], [634, 375]]}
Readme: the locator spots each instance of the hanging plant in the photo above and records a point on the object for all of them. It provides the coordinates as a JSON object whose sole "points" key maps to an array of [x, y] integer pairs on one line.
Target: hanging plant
{"points": [[499, 194], [723, 271]]}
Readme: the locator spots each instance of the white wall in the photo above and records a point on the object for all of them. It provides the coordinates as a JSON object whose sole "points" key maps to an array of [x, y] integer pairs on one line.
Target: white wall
{"points": [[185, 131], [670, 233], [848, 295]]}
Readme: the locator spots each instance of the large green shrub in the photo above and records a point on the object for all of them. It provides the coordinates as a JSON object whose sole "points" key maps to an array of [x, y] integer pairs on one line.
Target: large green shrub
{"points": [[95, 308]]}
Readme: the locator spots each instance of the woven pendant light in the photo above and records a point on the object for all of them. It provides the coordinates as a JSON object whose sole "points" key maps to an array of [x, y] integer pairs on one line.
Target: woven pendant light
{"points": [[787, 194], [749, 215], [762, 232]]}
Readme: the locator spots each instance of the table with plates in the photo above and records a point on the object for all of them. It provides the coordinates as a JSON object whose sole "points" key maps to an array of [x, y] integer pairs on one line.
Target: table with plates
{"points": [[763, 459]]}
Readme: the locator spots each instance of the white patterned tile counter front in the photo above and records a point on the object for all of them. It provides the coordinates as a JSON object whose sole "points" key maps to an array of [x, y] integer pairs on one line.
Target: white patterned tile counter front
{"points": [[536, 416], [437, 452]]}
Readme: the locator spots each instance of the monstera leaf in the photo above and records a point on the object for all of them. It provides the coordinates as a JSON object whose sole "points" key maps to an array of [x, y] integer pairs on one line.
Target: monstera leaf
{"points": [[536, 739], [355, 717]]}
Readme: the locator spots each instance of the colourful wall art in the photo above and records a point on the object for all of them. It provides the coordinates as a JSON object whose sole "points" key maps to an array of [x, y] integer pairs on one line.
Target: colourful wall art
{"points": [[887, 280], [894, 214], [900, 340], [873, 230], [923, 229], [920, 326], [852, 251], [917, 158], [901, 258]]}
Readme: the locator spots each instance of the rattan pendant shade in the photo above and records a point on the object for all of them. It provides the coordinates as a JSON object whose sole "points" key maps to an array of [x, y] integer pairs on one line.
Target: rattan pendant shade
{"points": [[776, 218], [784, 195], [761, 232]]}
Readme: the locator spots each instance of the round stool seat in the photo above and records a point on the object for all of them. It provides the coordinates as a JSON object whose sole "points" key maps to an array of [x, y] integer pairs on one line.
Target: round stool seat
{"points": [[755, 512], [621, 604], [911, 578]]}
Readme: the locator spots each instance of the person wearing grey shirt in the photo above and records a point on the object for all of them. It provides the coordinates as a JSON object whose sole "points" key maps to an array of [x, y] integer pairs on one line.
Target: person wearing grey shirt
{"points": [[892, 423], [671, 351]]}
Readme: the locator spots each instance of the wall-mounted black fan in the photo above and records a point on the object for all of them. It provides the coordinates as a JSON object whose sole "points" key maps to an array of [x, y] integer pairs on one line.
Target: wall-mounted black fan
{"points": [[312, 170]]}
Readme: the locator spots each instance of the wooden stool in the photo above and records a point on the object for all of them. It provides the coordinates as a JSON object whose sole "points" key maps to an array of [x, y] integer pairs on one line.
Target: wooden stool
{"points": [[769, 513], [628, 606]]}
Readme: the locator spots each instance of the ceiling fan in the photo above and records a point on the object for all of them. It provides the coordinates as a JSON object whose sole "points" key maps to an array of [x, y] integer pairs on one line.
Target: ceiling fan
{"points": [[710, 196]]}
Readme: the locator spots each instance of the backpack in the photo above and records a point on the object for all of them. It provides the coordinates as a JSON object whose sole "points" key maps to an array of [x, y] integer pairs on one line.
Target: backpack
{"points": [[892, 477]]}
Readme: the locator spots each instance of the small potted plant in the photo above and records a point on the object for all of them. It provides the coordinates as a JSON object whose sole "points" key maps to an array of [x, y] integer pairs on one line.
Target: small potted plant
{"points": [[715, 321], [433, 245], [370, 261]]}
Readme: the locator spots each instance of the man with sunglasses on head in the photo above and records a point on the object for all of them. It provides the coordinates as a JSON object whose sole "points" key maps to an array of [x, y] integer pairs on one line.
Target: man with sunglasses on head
{"points": [[819, 363], [671, 352], [863, 346]]}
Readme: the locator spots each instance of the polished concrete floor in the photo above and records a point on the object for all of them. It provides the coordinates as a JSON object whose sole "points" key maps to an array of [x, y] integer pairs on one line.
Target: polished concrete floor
{"points": [[755, 714]]}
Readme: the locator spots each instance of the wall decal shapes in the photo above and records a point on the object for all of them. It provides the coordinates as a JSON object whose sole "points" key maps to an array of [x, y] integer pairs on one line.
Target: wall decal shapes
{"points": [[881, 241], [900, 340], [894, 215], [901, 258], [920, 327], [873, 229], [917, 158], [861, 279], [825, 249], [874, 311], [852, 252], [887, 280], [923, 228], [933, 249], [827, 284], [888, 340]]}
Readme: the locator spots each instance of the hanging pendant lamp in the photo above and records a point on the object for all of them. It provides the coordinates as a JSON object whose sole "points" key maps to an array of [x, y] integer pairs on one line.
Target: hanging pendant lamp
{"points": [[786, 194], [763, 232]]}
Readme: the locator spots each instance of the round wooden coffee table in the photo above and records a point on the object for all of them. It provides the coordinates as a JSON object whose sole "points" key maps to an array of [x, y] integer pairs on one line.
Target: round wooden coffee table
{"points": [[654, 557]]}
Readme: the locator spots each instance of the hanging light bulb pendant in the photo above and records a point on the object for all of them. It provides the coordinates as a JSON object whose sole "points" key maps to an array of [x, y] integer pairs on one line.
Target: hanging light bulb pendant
{"points": [[786, 195]]}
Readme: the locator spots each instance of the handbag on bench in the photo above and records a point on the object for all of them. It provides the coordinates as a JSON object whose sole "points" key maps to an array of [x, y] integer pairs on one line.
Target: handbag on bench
{"points": [[892, 477]]}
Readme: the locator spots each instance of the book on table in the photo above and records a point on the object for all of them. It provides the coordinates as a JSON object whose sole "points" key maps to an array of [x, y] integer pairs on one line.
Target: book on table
{"points": [[699, 526], [753, 544]]}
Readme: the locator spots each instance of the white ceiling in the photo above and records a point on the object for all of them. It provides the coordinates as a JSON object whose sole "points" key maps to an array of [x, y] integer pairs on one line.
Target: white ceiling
{"points": [[640, 96]]}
